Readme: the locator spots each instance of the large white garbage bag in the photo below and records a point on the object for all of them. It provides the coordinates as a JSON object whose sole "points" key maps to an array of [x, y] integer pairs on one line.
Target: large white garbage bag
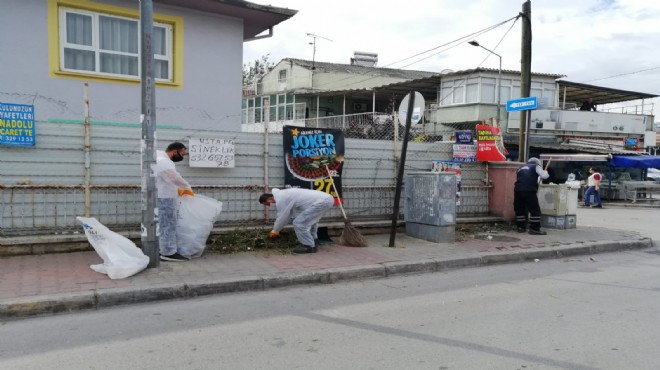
{"points": [[121, 257], [196, 217]]}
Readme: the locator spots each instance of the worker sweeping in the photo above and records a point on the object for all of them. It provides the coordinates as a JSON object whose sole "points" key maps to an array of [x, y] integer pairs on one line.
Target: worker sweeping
{"points": [[525, 201], [306, 206]]}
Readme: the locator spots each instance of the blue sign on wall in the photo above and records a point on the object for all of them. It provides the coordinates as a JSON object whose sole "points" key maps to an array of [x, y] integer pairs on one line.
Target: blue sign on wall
{"points": [[515, 105], [463, 137], [16, 124]]}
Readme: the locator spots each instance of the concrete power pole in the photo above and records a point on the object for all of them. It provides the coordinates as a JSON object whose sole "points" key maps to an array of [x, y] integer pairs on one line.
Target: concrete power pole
{"points": [[525, 78], [148, 122]]}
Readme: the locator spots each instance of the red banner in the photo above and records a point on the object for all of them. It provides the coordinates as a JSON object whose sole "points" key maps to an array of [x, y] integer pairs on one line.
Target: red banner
{"points": [[490, 147]]}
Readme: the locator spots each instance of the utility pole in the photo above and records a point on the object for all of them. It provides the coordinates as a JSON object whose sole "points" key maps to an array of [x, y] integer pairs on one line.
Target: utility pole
{"points": [[525, 77], [314, 46], [148, 121]]}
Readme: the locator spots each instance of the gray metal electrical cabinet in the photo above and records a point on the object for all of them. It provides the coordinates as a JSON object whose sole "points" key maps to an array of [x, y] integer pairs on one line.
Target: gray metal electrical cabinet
{"points": [[430, 206]]}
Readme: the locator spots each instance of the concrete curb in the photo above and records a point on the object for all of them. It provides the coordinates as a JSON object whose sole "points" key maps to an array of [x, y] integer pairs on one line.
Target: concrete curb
{"points": [[68, 302]]}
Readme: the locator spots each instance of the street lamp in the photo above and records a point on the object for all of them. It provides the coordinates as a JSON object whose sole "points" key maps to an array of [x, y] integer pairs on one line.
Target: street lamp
{"points": [[499, 75]]}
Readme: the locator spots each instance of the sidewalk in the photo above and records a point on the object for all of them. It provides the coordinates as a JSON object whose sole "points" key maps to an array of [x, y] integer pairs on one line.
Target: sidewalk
{"points": [[53, 283]]}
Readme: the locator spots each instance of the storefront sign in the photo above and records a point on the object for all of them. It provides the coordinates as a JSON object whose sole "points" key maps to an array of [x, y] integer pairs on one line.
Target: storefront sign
{"points": [[490, 147], [463, 137], [313, 158], [17, 124], [465, 152]]}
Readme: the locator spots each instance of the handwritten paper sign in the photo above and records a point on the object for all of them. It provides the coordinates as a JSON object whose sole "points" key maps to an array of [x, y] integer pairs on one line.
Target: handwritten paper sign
{"points": [[206, 152]]}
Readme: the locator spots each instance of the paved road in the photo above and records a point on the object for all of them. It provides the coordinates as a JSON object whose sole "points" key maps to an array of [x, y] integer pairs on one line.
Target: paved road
{"points": [[643, 220], [580, 312]]}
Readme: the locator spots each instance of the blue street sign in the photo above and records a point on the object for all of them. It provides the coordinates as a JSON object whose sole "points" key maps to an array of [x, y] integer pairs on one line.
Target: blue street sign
{"points": [[515, 105]]}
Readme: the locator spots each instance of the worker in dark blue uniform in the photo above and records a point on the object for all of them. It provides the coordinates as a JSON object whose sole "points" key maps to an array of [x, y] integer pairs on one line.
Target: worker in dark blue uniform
{"points": [[525, 200]]}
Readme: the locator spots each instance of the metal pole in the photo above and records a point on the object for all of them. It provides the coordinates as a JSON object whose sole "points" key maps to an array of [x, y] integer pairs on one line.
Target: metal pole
{"points": [[402, 165], [87, 149], [148, 120], [528, 113], [499, 88], [499, 77], [525, 74], [266, 114]]}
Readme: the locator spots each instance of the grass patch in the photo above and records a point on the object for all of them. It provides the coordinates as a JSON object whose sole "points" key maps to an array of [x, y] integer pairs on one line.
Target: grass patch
{"points": [[467, 231], [252, 240]]}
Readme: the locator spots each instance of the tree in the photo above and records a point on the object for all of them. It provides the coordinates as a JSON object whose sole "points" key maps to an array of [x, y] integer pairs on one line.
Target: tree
{"points": [[255, 70]]}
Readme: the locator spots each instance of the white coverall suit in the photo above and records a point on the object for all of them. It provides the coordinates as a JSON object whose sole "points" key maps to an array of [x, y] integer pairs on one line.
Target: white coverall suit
{"points": [[308, 206], [168, 182]]}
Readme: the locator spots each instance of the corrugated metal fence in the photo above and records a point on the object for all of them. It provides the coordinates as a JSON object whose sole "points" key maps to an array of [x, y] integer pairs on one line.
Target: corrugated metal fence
{"points": [[43, 187]]}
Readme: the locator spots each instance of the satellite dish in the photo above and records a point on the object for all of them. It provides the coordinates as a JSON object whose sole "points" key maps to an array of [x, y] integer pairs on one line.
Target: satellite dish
{"points": [[418, 109], [446, 71]]}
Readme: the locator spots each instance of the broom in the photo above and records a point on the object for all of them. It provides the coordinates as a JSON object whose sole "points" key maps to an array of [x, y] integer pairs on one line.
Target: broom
{"points": [[350, 237]]}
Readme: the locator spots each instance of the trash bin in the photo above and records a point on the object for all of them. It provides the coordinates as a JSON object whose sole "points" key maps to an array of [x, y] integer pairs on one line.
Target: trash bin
{"points": [[430, 206]]}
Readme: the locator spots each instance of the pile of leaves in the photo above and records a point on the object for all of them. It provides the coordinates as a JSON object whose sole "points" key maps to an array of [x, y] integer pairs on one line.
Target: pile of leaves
{"points": [[257, 240], [250, 240]]}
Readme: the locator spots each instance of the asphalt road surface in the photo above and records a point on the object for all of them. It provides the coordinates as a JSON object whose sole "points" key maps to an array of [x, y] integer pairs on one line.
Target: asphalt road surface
{"points": [[590, 312]]}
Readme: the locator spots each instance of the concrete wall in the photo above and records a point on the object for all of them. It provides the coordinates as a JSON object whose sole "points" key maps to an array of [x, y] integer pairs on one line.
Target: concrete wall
{"points": [[58, 161], [502, 176]]}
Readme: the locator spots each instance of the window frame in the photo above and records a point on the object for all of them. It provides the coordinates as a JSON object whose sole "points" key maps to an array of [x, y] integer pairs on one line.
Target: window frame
{"points": [[96, 47]]}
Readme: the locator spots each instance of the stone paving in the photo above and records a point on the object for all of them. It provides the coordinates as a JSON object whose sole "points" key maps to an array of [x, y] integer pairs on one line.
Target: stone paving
{"points": [[38, 284]]}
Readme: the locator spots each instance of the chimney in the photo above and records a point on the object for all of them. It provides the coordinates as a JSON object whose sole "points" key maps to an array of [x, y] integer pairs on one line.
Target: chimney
{"points": [[365, 59]]}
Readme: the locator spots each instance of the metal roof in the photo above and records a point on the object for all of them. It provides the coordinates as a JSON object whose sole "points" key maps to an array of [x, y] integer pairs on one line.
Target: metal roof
{"points": [[360, 70], [256, 18], [576, 93], [426, 85]]}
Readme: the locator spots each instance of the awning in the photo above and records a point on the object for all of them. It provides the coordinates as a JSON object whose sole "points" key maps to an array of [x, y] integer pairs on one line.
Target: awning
{"points": [[559, 157], [636, 161], [576, 93]]}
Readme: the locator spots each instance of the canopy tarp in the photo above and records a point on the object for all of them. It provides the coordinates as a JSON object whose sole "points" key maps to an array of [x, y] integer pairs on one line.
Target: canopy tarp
{"points": [[635, 161]]}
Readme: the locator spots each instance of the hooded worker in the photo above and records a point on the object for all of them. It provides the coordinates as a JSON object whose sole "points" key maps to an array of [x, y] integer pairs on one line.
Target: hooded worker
{"points": [[306, 206], [525, 200]]}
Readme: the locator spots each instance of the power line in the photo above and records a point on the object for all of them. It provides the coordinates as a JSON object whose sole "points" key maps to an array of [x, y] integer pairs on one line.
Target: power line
{"points": [[455, 43], [624, 74]]}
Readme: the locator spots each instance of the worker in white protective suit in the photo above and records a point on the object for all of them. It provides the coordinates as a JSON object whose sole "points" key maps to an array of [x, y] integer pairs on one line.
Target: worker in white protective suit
{"points": [[306, 206], [169, 185]]}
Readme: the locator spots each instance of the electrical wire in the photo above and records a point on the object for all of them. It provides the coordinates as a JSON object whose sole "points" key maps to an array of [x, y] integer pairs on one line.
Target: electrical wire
{"points": [[624, 74]]}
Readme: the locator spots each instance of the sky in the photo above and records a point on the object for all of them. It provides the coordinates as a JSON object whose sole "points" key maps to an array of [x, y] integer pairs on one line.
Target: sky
{"points": [[611, 43]]}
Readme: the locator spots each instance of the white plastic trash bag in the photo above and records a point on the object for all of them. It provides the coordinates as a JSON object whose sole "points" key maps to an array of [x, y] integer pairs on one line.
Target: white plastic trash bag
{"points": [[196, 217], [121, 257]]}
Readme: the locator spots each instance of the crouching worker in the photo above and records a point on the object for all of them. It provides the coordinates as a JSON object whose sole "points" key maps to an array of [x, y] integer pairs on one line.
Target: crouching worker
{"points": [[306, 206]]}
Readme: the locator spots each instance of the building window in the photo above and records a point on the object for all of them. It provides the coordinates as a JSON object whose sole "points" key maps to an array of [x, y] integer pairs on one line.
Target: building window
{"points": [[282, 76], [109, 45]]}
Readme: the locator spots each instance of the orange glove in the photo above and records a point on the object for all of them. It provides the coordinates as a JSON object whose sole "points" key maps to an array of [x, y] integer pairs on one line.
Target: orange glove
{"points": [[273, 234], [183, 192]]}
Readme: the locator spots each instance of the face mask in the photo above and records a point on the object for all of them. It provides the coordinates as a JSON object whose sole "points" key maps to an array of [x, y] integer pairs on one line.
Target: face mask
{"points": [[177, 157]]}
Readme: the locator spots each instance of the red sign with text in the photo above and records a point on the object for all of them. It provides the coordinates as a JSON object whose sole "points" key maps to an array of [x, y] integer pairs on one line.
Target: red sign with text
{"points": [[490, 147]]}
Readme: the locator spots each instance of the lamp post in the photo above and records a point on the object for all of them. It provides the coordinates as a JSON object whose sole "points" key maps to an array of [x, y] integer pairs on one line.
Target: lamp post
{"points": [[499, 75]]}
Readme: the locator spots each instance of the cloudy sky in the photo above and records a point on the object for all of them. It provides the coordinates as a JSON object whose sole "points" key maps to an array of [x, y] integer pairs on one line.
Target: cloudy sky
{"points": [[612, 43]]}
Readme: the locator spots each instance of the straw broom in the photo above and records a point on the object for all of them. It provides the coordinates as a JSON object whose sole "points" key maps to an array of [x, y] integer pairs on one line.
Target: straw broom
{"points": [[350, 237]]}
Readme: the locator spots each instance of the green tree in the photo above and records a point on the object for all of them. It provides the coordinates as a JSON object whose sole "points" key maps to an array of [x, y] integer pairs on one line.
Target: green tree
{"points": [[255, 70]]}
